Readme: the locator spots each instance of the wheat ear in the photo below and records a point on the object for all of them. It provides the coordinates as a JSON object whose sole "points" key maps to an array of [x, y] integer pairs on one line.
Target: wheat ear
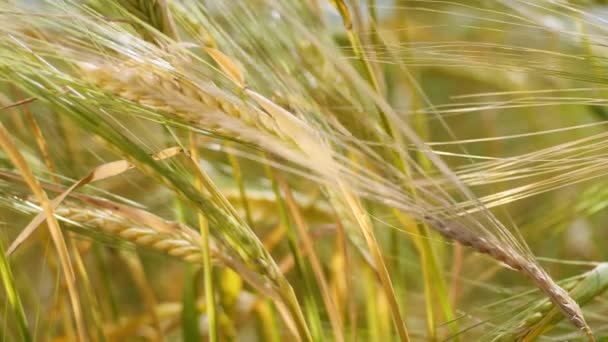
{"points": [[182, 243], [544, 315], [505, 254], [199, 104]]}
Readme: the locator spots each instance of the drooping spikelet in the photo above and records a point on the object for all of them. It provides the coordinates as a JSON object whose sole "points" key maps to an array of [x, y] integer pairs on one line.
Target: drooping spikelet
{"points": [[202, 104], [183, 243], [515, 260]]}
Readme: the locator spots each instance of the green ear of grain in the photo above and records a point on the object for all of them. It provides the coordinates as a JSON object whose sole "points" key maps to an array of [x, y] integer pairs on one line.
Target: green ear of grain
{"points": [[14, 300]]}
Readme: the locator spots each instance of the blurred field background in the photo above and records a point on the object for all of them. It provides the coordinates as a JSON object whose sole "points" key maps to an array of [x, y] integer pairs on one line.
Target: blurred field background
{"points": [[312, 151]]}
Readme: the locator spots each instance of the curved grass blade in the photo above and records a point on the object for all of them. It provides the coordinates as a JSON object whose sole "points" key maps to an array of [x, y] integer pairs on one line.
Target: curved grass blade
{"points": [[13, 296]]}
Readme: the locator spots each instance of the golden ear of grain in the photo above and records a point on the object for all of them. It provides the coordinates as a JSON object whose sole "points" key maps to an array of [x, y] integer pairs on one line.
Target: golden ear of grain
{"points": [[228, 66], [205, 105], [104, 171], [182, 243]]}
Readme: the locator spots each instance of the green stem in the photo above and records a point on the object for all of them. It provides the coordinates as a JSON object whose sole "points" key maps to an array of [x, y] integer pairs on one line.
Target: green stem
{"points": [[13, 296]]}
